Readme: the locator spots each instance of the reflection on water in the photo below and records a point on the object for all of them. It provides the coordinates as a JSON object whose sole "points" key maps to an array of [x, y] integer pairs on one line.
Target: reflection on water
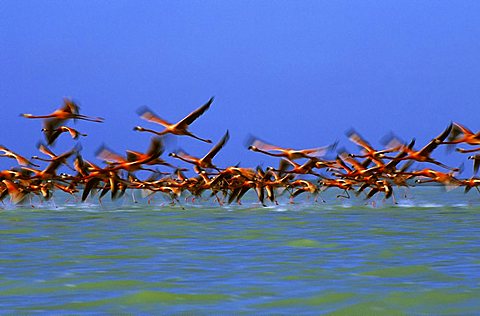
{"points": [[342, 257]]}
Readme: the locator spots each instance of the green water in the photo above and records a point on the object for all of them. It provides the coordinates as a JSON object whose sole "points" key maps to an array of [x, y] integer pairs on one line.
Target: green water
{"points": [[342, 257]]}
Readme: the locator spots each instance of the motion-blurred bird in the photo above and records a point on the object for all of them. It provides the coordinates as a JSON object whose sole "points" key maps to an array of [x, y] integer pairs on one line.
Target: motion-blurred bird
{"points": [[52, 134], [180, 128], [69, 110], [206, 161]]}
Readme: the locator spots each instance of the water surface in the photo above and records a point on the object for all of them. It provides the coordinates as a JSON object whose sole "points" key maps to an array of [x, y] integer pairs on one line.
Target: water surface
{"points": [[340, 257]]}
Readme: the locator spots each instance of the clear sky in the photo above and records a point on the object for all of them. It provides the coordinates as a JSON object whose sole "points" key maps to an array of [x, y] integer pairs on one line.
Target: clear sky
{"points": [[295, 73]]}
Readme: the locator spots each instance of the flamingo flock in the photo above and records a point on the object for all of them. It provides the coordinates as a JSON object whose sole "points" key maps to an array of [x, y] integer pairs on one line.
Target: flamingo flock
{"points": [[368, 173]]}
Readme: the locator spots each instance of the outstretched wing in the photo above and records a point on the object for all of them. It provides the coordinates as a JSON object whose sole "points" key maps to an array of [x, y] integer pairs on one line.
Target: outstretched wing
{"points": [[45, 150], [148, 115], [108, 155], [190, 118], [359, 140], [209, 156], [436, 141]]}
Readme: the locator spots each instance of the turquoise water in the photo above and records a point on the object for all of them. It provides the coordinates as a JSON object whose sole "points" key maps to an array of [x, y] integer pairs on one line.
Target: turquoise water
{"points": [[340, 257]]}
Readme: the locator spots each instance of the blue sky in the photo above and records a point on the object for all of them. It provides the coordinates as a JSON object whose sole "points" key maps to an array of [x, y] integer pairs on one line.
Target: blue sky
{"points": [[295, 73]]}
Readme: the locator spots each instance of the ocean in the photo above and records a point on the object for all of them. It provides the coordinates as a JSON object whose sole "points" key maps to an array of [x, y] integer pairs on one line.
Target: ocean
{"points": [[342, 257]]}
